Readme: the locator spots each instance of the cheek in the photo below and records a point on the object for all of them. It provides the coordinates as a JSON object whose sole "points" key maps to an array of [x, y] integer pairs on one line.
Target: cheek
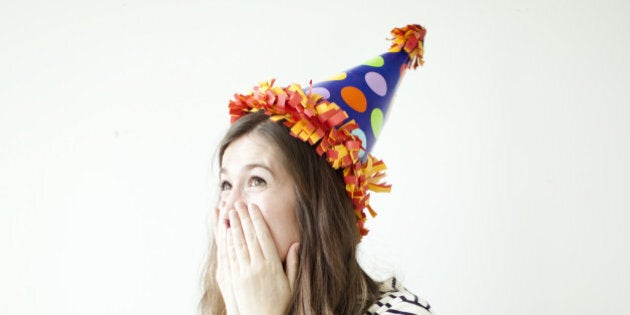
{"points": [[282, 223], [280, 217]]}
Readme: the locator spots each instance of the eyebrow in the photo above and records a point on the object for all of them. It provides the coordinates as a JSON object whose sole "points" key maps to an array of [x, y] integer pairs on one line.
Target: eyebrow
{"points": [[250, 167]]}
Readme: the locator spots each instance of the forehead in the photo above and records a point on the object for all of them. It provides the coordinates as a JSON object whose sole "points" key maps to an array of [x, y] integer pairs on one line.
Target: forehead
{"points": [[252, 148]]}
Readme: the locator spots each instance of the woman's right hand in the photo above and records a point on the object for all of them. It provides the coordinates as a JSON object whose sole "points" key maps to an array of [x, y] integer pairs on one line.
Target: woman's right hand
{"points": [[249, 264]]}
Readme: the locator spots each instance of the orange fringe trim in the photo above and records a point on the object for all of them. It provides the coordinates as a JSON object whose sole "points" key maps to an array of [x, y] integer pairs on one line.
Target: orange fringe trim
{"points": [[312, 119]]}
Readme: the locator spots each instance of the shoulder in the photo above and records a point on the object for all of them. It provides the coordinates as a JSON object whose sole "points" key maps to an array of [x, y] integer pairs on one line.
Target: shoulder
{"points": [[395, 299]]}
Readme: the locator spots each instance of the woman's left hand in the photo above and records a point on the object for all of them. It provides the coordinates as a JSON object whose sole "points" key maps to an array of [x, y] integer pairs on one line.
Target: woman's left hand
{"points": [[259, 283]]}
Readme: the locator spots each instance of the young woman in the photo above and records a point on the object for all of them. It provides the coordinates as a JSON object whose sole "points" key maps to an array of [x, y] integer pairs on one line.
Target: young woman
{"points": [[291, 211]]}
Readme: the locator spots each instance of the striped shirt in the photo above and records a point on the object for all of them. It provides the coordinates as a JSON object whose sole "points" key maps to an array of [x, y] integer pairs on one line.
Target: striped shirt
{"points": [[395, 299]]}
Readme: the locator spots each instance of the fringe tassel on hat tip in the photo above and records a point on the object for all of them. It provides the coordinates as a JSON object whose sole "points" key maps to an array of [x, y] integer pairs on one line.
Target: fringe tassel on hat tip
{"points": [[409, 38]]}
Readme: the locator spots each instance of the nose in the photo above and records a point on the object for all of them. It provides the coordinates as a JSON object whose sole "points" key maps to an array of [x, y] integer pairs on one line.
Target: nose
{"points": [[232, 196]]}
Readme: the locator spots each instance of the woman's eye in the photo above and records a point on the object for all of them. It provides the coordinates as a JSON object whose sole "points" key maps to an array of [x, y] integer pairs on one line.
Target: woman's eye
{"points": [[257, 182], [225, 185]]}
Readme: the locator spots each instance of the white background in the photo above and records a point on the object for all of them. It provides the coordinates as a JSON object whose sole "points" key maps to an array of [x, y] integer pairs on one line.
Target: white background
{"points": [[508, 150]]}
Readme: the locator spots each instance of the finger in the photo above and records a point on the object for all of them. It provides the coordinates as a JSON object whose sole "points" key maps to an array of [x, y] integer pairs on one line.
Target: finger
{"points": [[267, 245], [238, 240], [222, 271], [214, 217], [232, 260], [216, 229], [220, 241], [292, 263], [248, 231], [220, 219], [217, 264]]}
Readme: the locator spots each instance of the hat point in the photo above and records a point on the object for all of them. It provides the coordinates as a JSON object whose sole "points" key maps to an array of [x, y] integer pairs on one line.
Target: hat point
{"points": [[409, 39], [342, 117], [366, 91]]}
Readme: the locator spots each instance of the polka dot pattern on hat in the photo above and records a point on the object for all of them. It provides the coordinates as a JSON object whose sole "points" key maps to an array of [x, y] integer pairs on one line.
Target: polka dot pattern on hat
{"points": [[365, 92], [343, 116]]}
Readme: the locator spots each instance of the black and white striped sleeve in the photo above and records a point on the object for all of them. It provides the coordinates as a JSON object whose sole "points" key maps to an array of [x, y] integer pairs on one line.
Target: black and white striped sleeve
{"points": [[395, 299]]}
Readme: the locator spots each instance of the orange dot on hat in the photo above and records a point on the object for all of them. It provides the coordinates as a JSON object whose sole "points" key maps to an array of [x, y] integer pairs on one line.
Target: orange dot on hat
{"points": [[354, 98]]}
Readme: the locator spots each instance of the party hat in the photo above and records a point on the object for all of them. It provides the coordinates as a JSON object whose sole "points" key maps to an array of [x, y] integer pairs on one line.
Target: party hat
{"points": [[366, 91], [342, 117]]}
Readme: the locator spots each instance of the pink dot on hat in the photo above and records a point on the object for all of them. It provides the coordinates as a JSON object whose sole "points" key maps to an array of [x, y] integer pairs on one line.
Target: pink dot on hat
{"points": [[376, 82], [354, 98], [322, 91]]}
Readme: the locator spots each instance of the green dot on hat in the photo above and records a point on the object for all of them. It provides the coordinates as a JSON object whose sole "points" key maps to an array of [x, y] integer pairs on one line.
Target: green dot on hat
{"points": [[377, 121]]}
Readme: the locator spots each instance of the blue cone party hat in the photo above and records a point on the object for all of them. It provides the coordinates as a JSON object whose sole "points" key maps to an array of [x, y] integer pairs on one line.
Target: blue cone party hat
{"points": [[366, 91], [342, 117]]}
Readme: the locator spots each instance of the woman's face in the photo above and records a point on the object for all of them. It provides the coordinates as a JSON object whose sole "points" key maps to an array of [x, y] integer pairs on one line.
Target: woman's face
{"points": [[252, 171]]}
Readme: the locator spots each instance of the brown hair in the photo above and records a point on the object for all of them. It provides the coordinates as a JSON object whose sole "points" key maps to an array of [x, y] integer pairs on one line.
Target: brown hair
{"points": [[329, 279]]}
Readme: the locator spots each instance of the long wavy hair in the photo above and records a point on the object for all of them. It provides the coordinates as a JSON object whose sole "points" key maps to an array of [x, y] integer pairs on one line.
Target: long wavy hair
{"points": [[329, 279]]}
